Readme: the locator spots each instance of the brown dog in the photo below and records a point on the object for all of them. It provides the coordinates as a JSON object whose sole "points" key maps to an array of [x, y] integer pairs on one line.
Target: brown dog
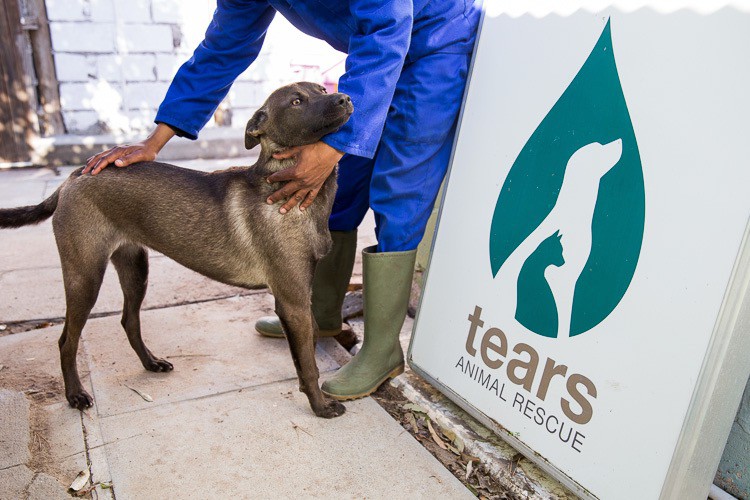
{"points": [[217, 224]]}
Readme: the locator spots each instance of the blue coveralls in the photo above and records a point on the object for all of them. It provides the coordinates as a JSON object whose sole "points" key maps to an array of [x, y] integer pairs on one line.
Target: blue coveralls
{"points": [[405, 73]]}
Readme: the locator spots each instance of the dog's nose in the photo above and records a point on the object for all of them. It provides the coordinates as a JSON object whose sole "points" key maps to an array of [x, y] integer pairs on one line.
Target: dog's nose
{"points": [[344, 100]]}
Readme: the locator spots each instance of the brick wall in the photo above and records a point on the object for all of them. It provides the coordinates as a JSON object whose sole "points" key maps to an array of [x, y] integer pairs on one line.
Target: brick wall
{"points": [[115, 58]]}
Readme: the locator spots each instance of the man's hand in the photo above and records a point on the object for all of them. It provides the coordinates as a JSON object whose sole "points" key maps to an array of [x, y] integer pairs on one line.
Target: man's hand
{"points": [[122, 156], [315, 162]]}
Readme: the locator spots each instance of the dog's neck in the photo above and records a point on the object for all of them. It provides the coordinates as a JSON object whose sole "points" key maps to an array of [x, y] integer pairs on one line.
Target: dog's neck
{"points": [[268, 148]]}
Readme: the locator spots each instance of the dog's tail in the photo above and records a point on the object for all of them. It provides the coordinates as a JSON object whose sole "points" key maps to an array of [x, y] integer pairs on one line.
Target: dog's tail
{"points": [[33, 214]]}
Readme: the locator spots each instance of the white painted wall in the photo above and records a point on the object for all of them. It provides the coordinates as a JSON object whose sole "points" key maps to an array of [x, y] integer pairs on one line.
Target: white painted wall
{"points": [[116, 58]]}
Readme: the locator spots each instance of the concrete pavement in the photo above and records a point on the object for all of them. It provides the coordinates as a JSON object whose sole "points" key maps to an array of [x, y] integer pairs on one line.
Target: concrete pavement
{"points": [[228, 421]]}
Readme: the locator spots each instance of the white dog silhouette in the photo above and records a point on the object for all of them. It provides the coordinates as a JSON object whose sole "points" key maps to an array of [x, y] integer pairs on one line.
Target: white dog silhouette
{"points": [[572, 216]]}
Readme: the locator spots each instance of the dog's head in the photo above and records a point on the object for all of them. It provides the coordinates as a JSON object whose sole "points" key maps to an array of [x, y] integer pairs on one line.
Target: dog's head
{"points": [[298, 114], [595, 159]]}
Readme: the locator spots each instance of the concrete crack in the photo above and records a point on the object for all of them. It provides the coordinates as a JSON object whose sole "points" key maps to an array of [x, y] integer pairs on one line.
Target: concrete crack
{"points": [[26, 494], [32, 324], [89, 464], [86, 447]]}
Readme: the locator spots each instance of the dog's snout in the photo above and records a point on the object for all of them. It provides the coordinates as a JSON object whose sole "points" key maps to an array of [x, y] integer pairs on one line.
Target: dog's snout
{"points": [[343, 101]]}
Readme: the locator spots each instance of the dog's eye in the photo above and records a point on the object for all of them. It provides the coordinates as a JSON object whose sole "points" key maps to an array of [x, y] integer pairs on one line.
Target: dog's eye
{"points": [[296, 102]]}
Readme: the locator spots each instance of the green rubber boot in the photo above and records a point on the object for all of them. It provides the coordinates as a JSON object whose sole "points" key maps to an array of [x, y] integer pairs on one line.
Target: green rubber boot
{"points": [[329, 288], [387, 283]]}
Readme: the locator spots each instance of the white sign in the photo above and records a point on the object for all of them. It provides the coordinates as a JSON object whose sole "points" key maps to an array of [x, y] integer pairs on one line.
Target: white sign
{"points": [[587, 285]]}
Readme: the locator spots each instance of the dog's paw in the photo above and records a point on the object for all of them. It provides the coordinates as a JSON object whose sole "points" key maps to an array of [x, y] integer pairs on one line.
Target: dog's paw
{"points": [[80, 400], [331, 409], [159, 365]]}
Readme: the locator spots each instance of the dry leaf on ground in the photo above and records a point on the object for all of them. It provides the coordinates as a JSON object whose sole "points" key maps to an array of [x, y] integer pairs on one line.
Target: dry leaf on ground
{"points": [[435, 436], [414, 407], [412, 421], [80, 480], [142, 394]]}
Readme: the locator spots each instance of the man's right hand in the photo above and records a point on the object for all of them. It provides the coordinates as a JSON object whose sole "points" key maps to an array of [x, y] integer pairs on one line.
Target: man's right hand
{"points": [[122, 156]]}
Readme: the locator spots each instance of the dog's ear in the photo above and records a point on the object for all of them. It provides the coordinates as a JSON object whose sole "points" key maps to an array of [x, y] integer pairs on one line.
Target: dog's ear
{"points": [[254, 128]]}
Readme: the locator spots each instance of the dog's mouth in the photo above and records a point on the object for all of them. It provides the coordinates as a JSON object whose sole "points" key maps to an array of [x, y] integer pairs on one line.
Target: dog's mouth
{"points": [[333, 122]]}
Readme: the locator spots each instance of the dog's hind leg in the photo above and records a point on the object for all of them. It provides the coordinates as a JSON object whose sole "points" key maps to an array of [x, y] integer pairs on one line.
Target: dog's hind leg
{"points": [[82, 283], [294, 309], [131, 263]]}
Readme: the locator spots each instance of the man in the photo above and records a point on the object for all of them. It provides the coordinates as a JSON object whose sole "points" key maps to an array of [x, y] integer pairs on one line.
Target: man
{"points": [[405, 73]]}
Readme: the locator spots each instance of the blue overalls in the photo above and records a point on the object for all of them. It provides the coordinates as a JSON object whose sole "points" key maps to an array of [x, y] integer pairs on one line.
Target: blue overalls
{"points": [[405, 73]]}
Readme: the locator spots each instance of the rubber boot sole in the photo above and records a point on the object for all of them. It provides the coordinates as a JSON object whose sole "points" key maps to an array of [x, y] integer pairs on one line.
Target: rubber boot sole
{"points": [[393, 373]]}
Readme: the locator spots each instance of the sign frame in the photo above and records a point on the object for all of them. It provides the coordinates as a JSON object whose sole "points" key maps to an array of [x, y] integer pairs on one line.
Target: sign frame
{"points": [[716, 394]]}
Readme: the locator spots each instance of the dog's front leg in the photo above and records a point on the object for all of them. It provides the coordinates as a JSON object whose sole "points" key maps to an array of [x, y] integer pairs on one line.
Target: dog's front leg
{"points": [[295, 313]]}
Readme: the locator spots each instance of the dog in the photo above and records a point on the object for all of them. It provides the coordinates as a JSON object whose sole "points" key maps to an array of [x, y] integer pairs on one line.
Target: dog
{"points": [[217, 224]]}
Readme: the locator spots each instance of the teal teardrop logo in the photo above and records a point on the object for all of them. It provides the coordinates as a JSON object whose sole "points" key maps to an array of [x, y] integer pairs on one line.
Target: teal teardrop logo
{"points": [[574, 204]]}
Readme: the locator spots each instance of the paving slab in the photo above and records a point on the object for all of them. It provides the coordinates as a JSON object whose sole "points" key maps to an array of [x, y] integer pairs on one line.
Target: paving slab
{"points": [[212, 345], [14, 481], [265, 443], [30, 247], [47, 487], [48, 438], [14, 429], [64, 436], [38, 293], [55, 444], [29, 186], [31, 363]]}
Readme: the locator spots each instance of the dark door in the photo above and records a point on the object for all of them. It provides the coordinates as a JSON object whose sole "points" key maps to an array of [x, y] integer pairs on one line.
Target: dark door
{"points": [[16, 111]]}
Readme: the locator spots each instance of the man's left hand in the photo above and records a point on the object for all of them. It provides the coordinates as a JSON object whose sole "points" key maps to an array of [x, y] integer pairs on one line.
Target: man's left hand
{"points": [[315, 162]]}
